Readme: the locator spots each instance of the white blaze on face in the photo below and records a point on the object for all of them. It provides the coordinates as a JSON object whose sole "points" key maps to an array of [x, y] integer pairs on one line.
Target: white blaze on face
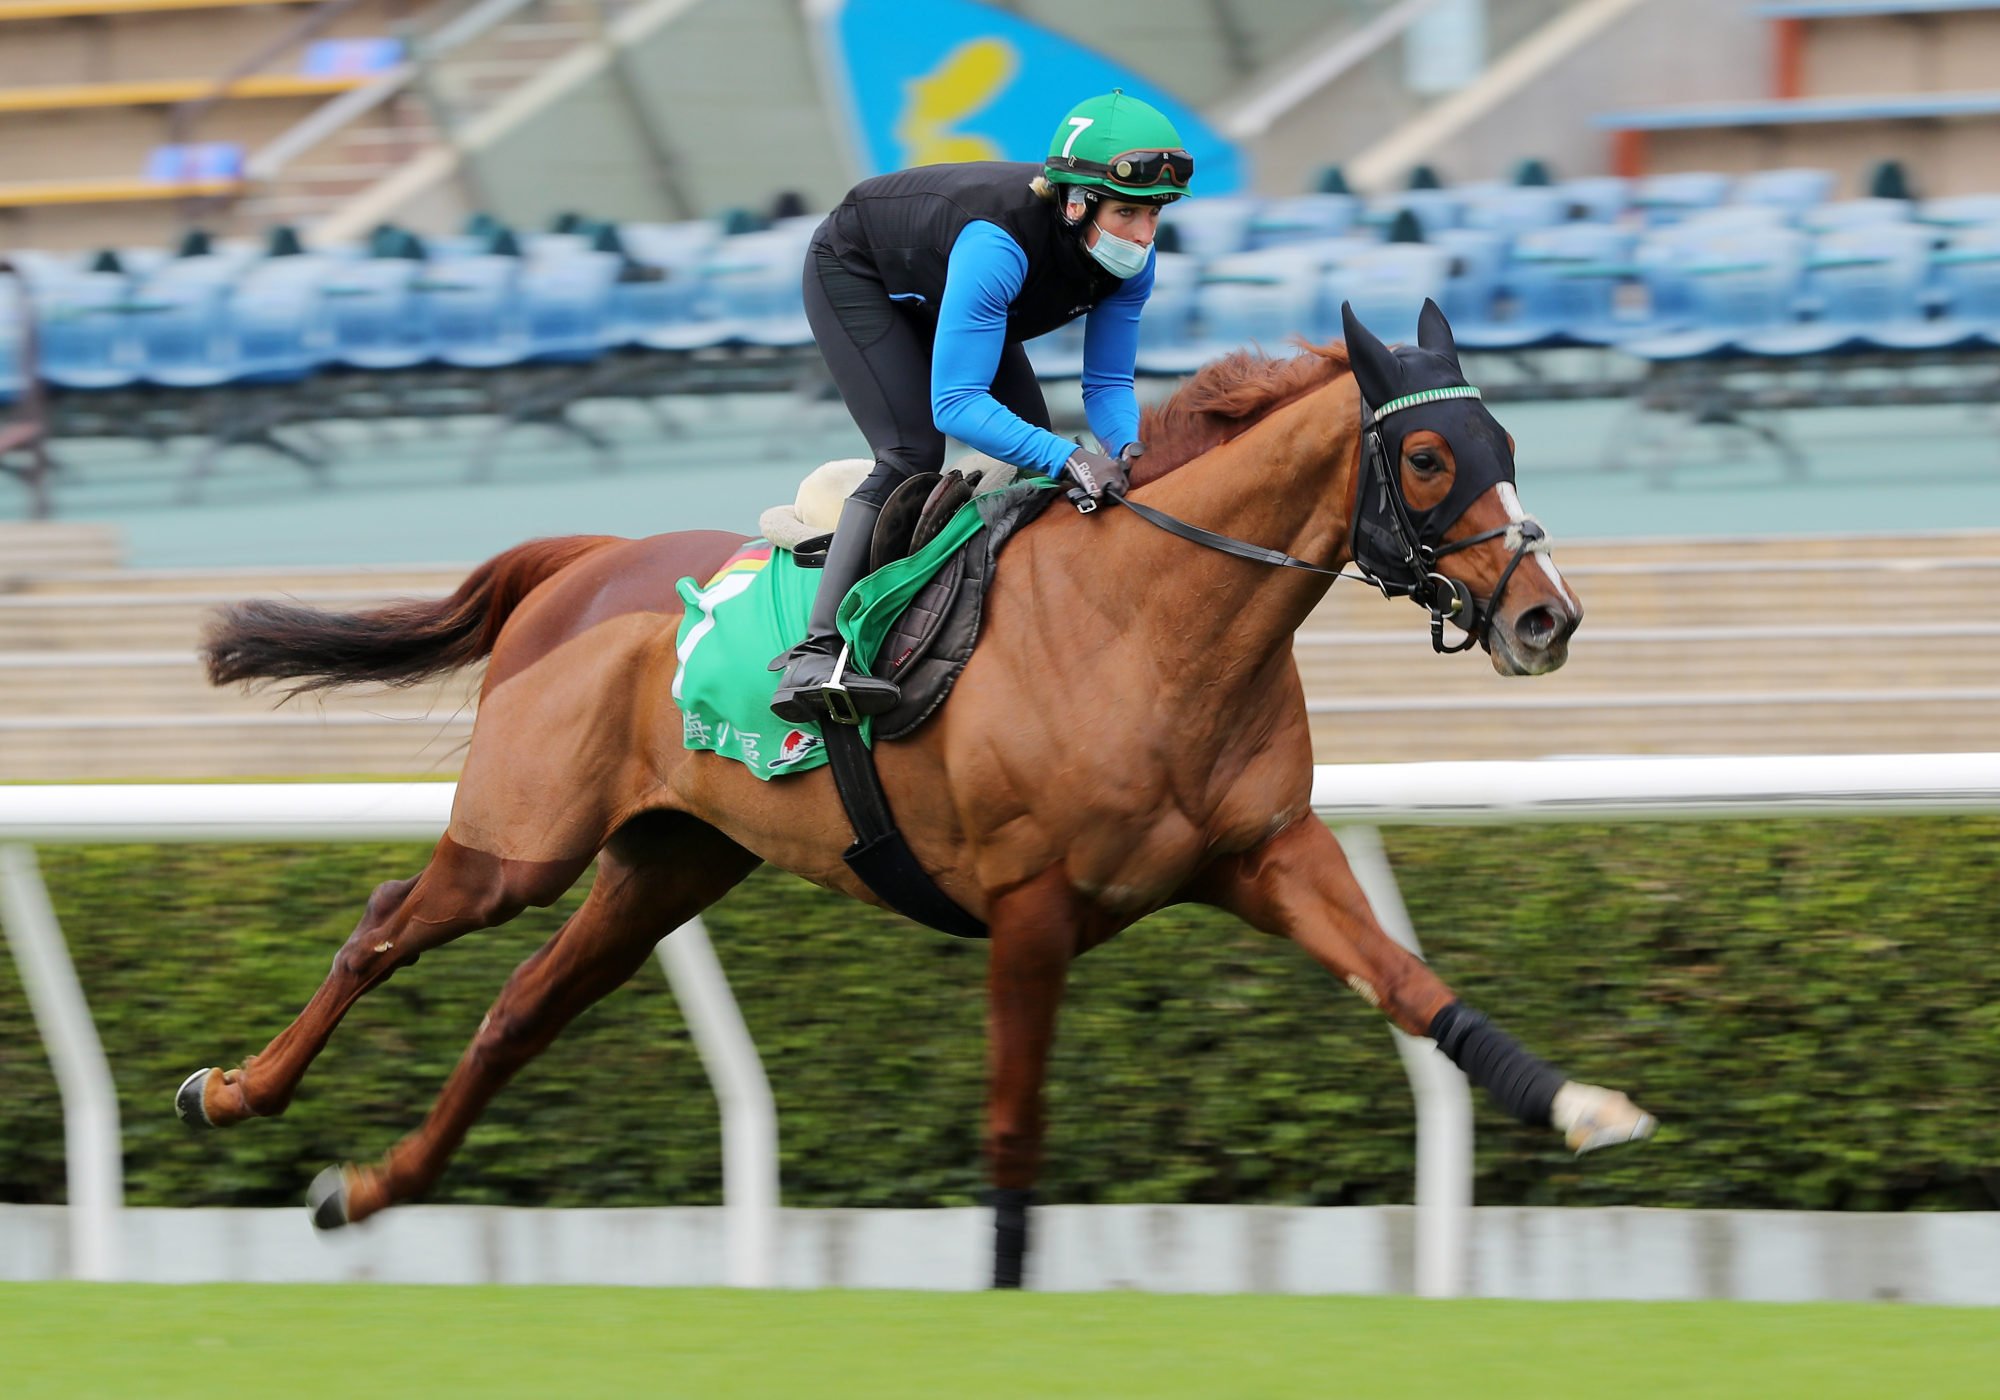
{"points": [[1510, 501]]}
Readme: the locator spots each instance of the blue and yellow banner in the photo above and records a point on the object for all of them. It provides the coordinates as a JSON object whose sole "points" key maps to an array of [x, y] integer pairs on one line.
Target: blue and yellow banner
{"points": [[951, 80]]}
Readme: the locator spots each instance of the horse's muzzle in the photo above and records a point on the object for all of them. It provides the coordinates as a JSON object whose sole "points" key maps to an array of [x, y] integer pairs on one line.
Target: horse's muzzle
{"points": [[1535, 640]]}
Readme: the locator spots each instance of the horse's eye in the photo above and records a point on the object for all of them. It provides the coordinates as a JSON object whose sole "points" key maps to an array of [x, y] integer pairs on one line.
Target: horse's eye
{"points": [[1426, 462]]}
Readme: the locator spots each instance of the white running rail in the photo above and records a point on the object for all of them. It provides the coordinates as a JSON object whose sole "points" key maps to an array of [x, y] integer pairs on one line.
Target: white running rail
{"points": [[1355, 798]]}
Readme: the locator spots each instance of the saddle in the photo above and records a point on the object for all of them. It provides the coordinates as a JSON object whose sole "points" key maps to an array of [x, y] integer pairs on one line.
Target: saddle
{"points": [[933, 639]]}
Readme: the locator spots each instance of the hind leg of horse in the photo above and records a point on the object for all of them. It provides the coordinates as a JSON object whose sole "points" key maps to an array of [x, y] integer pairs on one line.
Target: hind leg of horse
{"points": [[1036, 934], [1298, 884], [458, 891], [657, 872]]}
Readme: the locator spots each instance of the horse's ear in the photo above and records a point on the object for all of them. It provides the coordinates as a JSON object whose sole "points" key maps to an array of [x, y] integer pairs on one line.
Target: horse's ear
{"points": [[1375, 368], [1434, 332]]}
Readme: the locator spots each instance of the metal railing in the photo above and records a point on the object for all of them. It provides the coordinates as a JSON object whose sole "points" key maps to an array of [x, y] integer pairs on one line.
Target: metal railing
{"points": [[1355, 799]]}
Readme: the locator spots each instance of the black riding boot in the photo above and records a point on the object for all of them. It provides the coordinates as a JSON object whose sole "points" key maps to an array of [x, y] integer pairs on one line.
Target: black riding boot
{"points": [[821, 681]]}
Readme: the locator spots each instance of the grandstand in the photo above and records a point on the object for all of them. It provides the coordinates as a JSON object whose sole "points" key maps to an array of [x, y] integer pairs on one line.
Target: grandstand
{"points": [[1704, 295], [1700, 280]]}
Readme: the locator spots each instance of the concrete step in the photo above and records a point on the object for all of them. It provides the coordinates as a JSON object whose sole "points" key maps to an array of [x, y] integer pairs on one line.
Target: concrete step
{"points": [[32, 690], [1610, 662], [28, 548], [145, 622], [412, 580], [232, 747], [1762, 550], [1394, 731], [1880, 595]]}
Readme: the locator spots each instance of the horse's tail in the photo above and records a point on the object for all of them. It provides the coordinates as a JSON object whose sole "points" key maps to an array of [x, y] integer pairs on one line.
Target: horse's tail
{"points": [[400, 644]]}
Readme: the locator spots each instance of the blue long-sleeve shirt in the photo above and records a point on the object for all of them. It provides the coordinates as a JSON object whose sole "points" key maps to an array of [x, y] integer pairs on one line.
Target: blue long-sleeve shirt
{"points": [[985, 274]]}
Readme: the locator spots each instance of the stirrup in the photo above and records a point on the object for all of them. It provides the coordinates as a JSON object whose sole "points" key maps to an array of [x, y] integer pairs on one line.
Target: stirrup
{"points": [[842, 707]]}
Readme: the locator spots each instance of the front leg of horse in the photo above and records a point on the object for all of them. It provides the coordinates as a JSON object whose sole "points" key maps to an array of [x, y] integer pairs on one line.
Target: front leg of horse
{"points": [[1298, 884], [1035, 938]]}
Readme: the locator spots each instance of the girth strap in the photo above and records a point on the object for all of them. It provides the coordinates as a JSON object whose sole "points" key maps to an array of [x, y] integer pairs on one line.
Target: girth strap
{"points": [[880, 857]]}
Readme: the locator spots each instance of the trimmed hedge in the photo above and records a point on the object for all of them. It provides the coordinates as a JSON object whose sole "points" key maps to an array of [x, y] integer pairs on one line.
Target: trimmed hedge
{"points": [[1812, 1008]]}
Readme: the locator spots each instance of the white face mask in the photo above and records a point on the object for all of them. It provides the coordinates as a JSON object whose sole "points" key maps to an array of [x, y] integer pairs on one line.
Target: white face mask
{"points": [[1121, 257]]}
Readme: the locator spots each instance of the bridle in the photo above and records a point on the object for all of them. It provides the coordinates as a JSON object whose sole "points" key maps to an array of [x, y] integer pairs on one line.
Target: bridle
{"points": [[1392, 552]]}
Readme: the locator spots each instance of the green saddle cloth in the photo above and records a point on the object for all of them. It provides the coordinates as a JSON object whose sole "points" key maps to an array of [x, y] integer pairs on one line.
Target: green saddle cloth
{"points": [[754, 607]]}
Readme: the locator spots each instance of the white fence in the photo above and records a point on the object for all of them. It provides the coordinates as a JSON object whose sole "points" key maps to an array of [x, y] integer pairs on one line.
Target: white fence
{"points": [[1356, 799]]}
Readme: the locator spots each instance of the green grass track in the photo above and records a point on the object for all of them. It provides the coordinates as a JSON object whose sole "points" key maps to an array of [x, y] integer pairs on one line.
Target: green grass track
{"points": [[357, 1340]]}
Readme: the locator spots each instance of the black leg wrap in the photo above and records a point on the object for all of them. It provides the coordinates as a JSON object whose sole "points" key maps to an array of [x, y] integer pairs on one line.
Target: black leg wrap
{"points": [[1010, 1235], [1520, 1083]]}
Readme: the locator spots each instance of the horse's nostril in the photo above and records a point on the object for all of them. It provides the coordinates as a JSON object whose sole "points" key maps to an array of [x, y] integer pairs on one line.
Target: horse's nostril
{"points": [[1538, 626]]}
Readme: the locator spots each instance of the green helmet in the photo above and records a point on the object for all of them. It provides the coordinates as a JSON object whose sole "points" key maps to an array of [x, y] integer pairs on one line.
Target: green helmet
{"points": [[1120, 145]]}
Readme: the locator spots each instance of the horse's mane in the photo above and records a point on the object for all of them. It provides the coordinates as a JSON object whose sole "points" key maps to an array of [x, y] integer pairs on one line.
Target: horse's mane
{"points": [[1224, 398]]}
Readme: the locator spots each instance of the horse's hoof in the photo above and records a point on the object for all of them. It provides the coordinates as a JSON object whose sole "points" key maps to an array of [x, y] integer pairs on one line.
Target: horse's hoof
{"points": [[1591, 1117], [326, 1198], [188, 1099]]}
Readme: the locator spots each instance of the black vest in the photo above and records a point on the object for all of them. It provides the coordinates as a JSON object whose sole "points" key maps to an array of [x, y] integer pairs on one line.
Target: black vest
{"points": [[899, 230]]}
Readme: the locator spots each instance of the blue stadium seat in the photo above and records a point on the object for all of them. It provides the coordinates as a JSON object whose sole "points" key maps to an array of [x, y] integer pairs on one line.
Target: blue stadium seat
{"points": [[1966, 289], [1261, 299], [1668, 199], [1471, 294], [1859, 282], [750, 293], [1721, 216], [376, 316], [1388, 285], [1793, 189], [478, 316], [1564, 285], [1598, 199], [679, 248], [1169, 322], [1303, 218], [38, 266], [646, 298], [1960, 211], [12, 329], [278, 313], [567, 301], [85, 331], [1512, 209], [1435, 210], [659, 287], [1167, 326], [1664, 256], [1738, 281], [1854, 213], [762, 294], [1211, 228], [181, 325]]}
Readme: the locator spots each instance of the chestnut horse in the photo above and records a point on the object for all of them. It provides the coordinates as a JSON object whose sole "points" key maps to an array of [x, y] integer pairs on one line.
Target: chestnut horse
{"points": [[1024, 810]]}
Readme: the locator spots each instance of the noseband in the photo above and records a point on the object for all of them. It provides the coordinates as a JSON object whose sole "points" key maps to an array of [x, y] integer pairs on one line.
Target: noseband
{"points": [[1385, 542]]}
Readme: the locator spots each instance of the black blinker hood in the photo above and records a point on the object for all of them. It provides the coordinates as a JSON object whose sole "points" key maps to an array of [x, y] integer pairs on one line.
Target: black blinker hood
{"points": [[1390, 542]]}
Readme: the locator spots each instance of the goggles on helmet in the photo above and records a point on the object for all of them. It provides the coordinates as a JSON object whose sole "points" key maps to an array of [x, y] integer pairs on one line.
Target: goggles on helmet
{"points": [[1140, 169]]}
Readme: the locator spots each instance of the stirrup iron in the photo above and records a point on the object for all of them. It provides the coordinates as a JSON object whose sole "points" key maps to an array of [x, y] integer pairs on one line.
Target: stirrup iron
{"points": [[840, 706]]}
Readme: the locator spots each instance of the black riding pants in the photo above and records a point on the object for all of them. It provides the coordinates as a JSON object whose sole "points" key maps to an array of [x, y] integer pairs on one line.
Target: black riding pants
{"points": [[880, 358]]}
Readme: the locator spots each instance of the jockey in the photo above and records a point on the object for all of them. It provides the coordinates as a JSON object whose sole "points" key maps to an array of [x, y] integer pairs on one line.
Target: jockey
{"points": [[920, 289]]}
